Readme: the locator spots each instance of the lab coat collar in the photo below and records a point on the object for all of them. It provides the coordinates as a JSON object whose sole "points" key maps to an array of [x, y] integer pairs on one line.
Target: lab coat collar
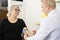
{"points": [[52, 11]]}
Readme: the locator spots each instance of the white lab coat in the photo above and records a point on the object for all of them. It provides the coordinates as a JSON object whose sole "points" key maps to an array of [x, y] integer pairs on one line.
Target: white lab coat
{"points": [[49, 28]]}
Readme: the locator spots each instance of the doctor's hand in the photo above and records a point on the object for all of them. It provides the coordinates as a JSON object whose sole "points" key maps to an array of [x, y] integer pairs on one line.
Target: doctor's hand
{"points": [[26, 34], [33, 32], [29, 34]]}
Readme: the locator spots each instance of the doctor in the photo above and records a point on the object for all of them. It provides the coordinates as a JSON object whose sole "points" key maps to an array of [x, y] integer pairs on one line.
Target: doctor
{"points": [[50, 26]]}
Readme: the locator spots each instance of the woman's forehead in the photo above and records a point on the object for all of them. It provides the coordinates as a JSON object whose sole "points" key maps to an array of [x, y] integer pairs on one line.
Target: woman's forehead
{"points": [[15, 7]]}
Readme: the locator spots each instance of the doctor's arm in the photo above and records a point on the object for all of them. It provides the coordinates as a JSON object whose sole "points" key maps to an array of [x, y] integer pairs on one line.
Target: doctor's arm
{"points": [[46, 27]]}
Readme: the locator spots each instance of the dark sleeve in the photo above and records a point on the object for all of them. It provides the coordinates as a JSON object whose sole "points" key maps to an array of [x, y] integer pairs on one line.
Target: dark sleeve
{"points": [[23, 23], [1, 30]]}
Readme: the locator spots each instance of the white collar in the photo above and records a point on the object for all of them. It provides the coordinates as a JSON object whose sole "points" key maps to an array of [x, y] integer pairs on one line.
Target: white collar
{"points": [[51, 12]]}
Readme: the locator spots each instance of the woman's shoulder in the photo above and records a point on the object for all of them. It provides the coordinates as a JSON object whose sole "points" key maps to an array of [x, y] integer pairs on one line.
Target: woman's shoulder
{"points": [[20, 19], [4, 20]]}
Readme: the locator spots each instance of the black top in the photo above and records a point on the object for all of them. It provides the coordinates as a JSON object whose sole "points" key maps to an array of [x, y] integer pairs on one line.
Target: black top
{"points": [[12, 31]]}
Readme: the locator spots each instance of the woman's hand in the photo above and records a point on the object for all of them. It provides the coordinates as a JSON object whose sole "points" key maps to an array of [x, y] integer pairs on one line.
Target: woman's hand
{"points": [[25, 36]]}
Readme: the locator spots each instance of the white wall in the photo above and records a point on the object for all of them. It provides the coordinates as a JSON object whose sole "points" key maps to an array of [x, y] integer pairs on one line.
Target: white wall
{"points": [[58, 5], [32, 12]]}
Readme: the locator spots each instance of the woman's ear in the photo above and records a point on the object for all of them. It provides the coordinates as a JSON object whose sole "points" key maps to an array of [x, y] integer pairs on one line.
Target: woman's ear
{"points": [[8, 14]]}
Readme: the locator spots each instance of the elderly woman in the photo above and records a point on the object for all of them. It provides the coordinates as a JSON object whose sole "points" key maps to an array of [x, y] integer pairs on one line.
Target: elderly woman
{"points": [[12, 27]]}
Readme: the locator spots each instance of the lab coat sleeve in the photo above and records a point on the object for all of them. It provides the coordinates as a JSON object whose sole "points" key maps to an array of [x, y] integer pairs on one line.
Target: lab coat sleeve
{"points": [[46, 27]]}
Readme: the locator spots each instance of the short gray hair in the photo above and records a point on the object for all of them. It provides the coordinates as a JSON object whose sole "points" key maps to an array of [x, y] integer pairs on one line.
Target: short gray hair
{"points": [[8, 14], [14, 6]]}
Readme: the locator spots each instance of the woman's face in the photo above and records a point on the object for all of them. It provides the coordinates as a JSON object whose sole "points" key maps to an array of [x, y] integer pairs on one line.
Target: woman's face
{"points": [[15, 11]]}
